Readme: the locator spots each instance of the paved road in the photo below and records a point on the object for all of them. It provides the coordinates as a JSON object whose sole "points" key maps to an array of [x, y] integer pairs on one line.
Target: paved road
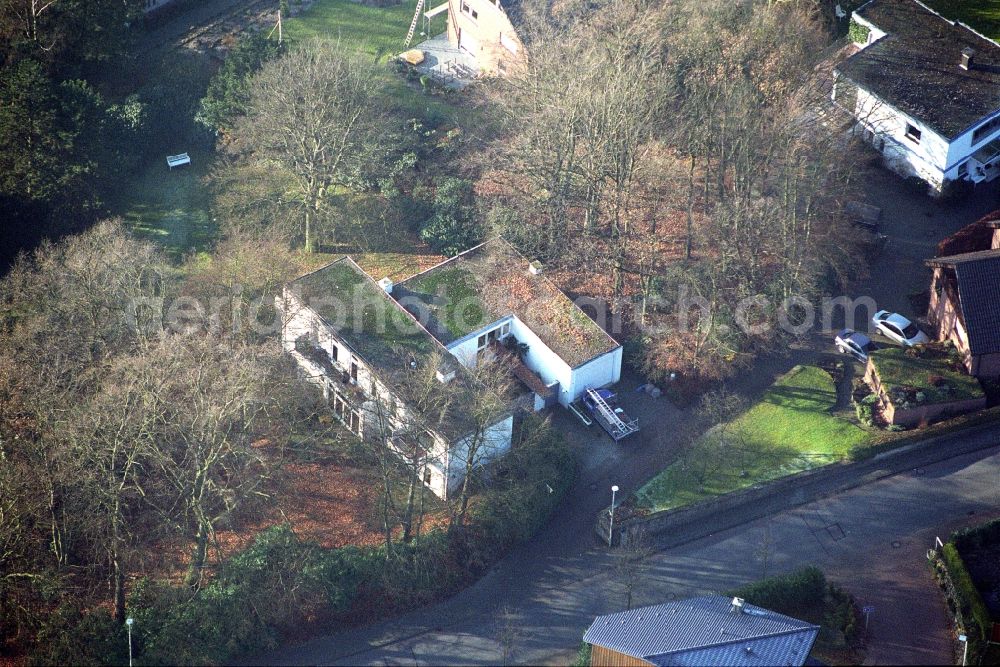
{"points": [[872, 540]]}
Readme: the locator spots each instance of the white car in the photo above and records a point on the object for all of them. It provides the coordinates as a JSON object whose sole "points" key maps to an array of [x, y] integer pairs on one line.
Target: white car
{"points": [[896, 327], [855, 344]]}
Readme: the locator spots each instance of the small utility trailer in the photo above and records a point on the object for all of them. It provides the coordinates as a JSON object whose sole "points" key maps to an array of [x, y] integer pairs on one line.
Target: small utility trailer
{"points": [[603, 405]]}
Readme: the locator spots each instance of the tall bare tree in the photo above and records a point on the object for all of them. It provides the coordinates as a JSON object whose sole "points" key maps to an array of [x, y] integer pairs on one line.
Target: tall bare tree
{"points": [[316, 114]]}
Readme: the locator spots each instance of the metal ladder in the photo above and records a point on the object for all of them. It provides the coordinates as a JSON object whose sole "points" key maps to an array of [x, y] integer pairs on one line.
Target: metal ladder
{"points": [[609, 414], [413, 23]]}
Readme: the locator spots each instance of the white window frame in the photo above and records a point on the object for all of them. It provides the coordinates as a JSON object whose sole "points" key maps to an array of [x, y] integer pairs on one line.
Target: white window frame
{"points": [[913, 133], [483, 340]]}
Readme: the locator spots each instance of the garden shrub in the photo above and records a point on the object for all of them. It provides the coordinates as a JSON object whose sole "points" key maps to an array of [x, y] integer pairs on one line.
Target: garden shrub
{"points": [[807, 593], [857, 32], [69, 637], [842, 613], [229, 90], [865, 409], [452, 227]]}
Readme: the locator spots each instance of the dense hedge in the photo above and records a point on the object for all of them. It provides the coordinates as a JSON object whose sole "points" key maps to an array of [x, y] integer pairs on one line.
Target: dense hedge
{"points": [[791, 593], [977, 537], [973, 610], [282, 584], [808, 595]]}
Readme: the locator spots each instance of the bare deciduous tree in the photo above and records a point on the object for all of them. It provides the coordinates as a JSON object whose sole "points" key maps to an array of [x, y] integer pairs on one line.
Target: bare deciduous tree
{"points": [[315, 113]]}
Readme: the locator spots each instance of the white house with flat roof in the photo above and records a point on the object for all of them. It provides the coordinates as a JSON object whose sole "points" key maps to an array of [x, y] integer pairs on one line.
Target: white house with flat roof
{"points": [[365, 343], [492, 296], [377, 366]]}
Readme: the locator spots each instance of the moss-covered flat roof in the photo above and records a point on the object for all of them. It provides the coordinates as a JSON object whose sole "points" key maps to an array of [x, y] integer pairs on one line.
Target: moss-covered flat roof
{"points": [[491, 282], [388, 339], [368, 320], [931, 374]]}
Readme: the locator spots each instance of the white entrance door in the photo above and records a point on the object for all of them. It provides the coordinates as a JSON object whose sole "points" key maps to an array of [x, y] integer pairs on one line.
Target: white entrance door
{"points": [[468, 42]]}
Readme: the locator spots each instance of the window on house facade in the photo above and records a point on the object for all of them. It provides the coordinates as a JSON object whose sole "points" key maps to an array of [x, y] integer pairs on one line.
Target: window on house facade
{"points": [[963, 169], [354, 422], [469, 11], [494, 334], [354, 371], [986, 129], [427, 476], [333, 351], [912, 133]]}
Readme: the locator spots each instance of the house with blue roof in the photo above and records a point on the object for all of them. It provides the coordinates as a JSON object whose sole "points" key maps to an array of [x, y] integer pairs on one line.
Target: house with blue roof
{"points": [[709, 630]]}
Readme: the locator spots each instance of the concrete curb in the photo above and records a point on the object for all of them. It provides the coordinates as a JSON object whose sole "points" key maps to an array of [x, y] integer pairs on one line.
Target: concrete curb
{"points": [[672, 528]]}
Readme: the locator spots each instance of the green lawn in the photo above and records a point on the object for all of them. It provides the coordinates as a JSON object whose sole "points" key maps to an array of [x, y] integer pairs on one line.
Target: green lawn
{"points": [[981, 15], [379, 31], [791, 429], [171, 206]]}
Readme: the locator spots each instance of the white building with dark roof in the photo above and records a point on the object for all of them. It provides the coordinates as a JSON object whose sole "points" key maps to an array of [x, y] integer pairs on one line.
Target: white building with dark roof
{"points": [[925, 91]]}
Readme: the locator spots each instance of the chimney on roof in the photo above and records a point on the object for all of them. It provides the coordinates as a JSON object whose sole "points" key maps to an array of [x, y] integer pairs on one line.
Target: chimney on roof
{"points": [[386, 284], [535, 268], [737, 607], [967, 55], [444, 376]]}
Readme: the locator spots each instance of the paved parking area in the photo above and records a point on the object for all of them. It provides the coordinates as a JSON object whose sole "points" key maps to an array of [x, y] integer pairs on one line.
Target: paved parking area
{"points": [[914, 223]]}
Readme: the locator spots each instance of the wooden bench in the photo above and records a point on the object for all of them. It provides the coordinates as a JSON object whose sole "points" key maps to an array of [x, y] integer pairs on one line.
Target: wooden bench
{"points": [[178, 160]]}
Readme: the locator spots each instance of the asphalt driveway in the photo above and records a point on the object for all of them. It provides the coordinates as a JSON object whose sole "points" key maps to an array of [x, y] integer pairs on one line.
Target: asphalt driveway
{"points": [[915, 224]]}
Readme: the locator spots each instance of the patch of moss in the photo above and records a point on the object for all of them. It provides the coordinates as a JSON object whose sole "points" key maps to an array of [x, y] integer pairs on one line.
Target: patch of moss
{"points": [[455, 300], [378, 328]]}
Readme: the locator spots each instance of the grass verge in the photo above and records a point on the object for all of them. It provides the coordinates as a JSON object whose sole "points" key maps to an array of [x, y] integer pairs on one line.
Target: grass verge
{"points": [[790, 430]]}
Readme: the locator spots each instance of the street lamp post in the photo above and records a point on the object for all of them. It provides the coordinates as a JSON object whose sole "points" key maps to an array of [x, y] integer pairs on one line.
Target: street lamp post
{"points": [[128, 623], [965, 653], [611, 526]]}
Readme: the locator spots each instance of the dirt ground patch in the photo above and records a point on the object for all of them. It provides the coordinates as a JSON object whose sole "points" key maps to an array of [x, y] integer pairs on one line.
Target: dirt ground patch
{"points": [[331, 504], [211, 27]]}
